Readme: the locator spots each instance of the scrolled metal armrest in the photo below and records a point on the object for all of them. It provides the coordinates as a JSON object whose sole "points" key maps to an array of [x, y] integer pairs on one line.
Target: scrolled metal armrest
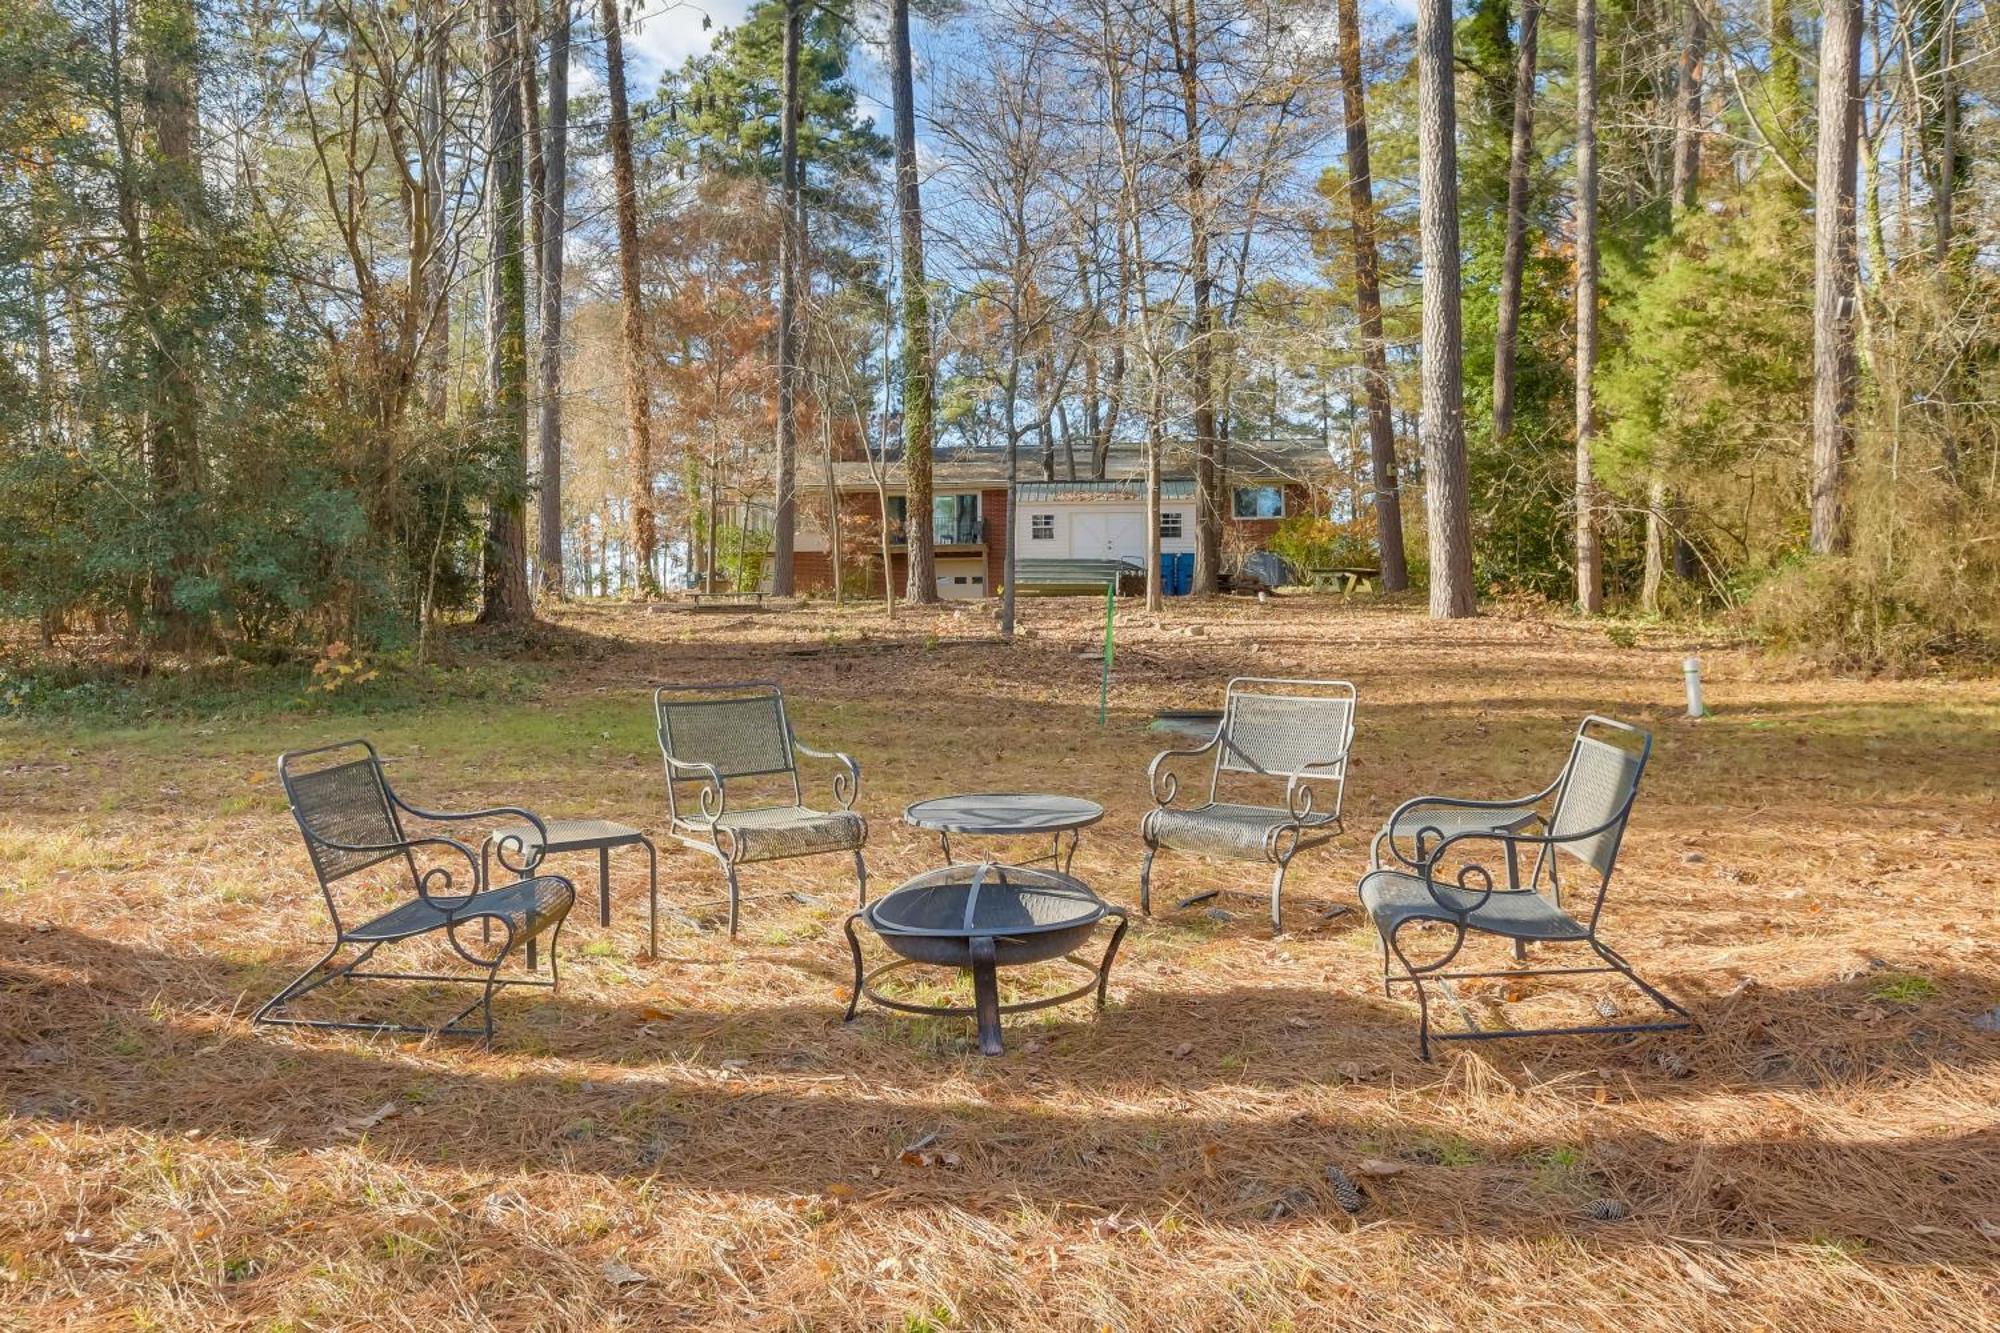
{"points": [[1509, 840], [1417, 803], [1166, 785], [1299, 792], [713, 797], [846, 780], [513, 842], [448, 903]]}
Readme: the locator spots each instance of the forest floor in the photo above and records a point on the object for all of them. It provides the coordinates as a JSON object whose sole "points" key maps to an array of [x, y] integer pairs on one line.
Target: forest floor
{"points": [[698, 1140]]}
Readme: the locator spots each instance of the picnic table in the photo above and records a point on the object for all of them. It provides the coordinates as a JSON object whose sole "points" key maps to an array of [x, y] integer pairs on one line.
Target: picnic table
{"points": [[1346, 578]]}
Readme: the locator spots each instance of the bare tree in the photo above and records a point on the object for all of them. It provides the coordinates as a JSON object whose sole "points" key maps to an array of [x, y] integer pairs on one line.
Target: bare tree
{"points": [[552, 197], [1834, 271], [1507, 324], [1184, 32], [1442, 420], [638, 395], [790, 266], [505, 598], [1368, 306], [1589, 575], [919, 402]]}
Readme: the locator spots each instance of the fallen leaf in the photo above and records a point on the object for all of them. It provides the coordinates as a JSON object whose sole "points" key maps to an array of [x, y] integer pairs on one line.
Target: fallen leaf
{"points": [[1184, 1050], [652, 1013], [1704, 1279], [363, 1123], [840, 1189], [1988, 1229], [1380, 1167], [621, 1274]]}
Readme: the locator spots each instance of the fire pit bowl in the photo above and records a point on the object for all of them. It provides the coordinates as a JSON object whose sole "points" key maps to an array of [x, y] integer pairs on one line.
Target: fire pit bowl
{"points": [[984, 917]]}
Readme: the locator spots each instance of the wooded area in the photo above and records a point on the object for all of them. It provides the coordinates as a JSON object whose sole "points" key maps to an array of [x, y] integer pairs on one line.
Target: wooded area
{"points": [[1671, 307]]}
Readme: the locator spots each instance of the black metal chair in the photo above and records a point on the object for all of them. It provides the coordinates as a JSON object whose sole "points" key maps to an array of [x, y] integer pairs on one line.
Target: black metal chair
{"points": [[710, 734], [1434, 878], [352, 821], [1297, 731]]}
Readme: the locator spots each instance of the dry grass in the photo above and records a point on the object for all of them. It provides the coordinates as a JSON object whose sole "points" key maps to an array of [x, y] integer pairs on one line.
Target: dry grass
{"points": [[1811, 869]]}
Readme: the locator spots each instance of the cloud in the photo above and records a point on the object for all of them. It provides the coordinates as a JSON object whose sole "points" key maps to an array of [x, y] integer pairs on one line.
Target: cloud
{"points": [[666, 32]]}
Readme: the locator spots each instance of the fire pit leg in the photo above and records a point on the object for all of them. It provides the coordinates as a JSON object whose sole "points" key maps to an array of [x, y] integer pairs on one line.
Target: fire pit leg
{"points": [[1104, 968], [854, 943], [986, 994]]}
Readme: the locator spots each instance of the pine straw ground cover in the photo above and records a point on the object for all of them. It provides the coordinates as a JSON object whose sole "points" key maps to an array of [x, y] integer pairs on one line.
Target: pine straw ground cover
{"points": [[698, 1140]]}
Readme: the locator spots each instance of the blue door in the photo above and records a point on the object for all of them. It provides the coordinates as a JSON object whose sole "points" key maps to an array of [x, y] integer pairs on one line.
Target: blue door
{"points": [[1184, 573]]}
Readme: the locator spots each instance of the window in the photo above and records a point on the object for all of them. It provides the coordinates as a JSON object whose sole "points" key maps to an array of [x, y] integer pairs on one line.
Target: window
{"points": [[1260, 502], [1041, 527], [954, 519], [1170, 524]]}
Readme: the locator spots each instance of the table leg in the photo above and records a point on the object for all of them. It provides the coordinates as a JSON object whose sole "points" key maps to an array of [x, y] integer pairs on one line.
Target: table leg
{"points": [[986, 994], [603, 886], [944, 842]]}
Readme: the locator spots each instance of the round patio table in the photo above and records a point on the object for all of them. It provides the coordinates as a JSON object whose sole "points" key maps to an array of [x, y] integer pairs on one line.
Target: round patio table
{"points": [[1008, 815]]}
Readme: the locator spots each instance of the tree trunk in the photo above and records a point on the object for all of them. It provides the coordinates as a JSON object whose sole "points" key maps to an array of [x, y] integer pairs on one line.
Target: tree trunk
{"points": [[1834, 271], [638, 396], [919, 424], [790, 266], [175, 218], [1186, 35], [504, 586], [1368, 305], [1589, 577], [1687, 108], [1442, 421], [1507, 327], [554, 191], [1686, 179]]}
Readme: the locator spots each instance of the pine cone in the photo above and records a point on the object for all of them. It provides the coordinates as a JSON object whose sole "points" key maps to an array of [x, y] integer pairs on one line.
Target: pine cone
{"points": [[1608, 1210], [1344, 1192]]}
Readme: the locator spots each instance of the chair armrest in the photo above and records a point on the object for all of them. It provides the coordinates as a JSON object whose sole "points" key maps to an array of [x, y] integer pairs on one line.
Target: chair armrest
{"points": [[713, 798], [1511, 841], [448, 902], [1165, 784], [1299, 792], [1416, 803], [529, 859], [846, 782]]}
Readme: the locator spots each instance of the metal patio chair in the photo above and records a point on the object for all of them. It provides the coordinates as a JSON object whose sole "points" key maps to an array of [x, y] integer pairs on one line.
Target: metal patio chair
{"points": [[711, 734], [352, 821], [1269, 728], [1433, 877]]}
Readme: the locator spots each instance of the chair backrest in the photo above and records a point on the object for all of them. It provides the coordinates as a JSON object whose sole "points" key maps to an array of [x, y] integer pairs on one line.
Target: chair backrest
{"points": [[345, 800], [1274, 727], [1597, 789], [740, 729]]}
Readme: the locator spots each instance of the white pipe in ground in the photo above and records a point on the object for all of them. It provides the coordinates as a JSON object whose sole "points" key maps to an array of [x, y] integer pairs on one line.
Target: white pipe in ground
{"points": [[1691, 670]]}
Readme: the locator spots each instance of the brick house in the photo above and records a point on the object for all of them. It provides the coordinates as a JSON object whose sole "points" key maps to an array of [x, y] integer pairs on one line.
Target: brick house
{"points": [[1263, 483]]}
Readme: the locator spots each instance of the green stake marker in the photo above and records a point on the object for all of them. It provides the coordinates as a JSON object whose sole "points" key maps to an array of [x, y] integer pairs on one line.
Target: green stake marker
{"points": [[1104, 685]]}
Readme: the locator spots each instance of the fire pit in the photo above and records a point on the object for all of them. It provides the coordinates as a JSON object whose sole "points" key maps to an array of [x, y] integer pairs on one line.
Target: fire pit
{"points": [[984, 917]]}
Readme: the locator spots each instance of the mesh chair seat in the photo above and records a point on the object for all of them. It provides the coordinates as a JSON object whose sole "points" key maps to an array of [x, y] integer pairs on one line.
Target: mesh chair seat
{"points": [[780, 832], [530, 906], [1393, 897], [1238, 832]]}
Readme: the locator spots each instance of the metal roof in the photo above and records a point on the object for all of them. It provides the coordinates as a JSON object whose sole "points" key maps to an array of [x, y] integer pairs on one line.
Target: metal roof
{"points": [[1042, 492]]}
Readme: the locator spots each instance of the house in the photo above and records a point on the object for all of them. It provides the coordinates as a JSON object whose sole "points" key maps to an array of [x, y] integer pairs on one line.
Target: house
{"points": [[1264, 481]]}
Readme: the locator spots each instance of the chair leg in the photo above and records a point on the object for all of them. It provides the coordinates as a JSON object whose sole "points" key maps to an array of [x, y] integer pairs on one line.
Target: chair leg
{"points": [[860, 879], [1277, 890], [734, 895], [296, 985], [1146, 881], [1613, 957]]}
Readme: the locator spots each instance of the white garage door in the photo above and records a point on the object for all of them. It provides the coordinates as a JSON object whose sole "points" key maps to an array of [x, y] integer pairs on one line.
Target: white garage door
{"points": [[1109, 534], [961, 579]]}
